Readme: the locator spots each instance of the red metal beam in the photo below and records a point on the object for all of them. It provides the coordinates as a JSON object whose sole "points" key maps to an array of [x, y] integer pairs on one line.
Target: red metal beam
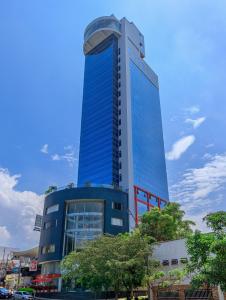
{"points": [[145, 203], [148, 196]]}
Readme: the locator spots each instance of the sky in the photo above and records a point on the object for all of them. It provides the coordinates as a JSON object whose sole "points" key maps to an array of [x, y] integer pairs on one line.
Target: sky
{"points": [[41, 82]]}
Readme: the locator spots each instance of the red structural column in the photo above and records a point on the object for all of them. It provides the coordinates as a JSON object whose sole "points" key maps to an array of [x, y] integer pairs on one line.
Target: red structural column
{"points": [[159, 201], [135, 203]]}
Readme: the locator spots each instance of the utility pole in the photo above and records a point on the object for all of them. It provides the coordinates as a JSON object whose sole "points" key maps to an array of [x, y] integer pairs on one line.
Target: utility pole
{"points": [[3, 257], [19, 273]]}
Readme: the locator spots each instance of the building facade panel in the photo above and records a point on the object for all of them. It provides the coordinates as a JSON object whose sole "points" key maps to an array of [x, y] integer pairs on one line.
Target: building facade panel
{"points": [[83, 214], [54, 234]]}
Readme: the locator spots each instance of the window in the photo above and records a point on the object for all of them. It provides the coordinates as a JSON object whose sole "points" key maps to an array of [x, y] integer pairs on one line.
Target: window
{"points": [[116, 205], [174, 261], [119, 132], [84, 221], [47, 225], [52, 209], [118, 51], [119, 112], [48, 249], [183, 260], [165, 262], [119, 93], [120, 177], [116, 222], [50, 224], [119, 122], [119, 143], [120, 165]]}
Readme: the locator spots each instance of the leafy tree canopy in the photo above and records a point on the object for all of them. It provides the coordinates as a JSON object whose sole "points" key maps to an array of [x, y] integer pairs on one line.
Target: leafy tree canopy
{"points": [[216, 221], [207, 251], [166, 224], [117, 263]]}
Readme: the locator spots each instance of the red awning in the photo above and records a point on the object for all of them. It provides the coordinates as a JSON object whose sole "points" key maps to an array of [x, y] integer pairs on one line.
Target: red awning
{"points": [[42, 280], [46, 277]]}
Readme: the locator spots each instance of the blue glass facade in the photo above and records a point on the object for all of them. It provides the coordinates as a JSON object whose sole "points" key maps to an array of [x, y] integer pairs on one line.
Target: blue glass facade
{"points": [[147, 138], [98, 158]]}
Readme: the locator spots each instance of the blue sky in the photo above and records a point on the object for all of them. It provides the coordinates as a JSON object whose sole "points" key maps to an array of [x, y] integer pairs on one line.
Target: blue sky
{"points": [[41, 80]]}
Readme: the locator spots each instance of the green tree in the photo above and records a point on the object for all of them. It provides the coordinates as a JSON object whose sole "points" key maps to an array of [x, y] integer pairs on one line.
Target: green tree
{"points": [[107, 263], [166, 224], [156, 277], [216, 221], [207, 251]]}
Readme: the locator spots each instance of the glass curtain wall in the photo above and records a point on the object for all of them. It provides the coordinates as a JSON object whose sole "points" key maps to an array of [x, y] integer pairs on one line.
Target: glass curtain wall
{"points": [[98, 157], [84, 222], [147, 137]]}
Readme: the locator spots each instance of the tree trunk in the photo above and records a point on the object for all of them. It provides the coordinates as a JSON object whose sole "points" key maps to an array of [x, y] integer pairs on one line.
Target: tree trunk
{"points": [[150, 293], [129, 295], [116, 295]]}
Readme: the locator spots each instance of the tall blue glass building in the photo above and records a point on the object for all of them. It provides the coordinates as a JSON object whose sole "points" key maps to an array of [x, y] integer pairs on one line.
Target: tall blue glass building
{"points": [[121, 141], [122, 170]]}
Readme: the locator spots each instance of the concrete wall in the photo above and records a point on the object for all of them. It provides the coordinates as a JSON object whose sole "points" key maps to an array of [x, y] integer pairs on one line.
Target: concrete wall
{"points": [[169, 251]]}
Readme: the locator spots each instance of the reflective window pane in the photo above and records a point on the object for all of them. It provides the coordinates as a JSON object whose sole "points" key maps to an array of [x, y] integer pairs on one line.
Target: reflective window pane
{"points": [[98, 161], [147, 137], [84, 222], [52, 209]]}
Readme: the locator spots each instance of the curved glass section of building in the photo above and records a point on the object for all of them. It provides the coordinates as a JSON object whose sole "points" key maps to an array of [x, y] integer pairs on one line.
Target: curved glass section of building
{"points": [[147, 137], [98, 157], [83, 222], [110, 23]]}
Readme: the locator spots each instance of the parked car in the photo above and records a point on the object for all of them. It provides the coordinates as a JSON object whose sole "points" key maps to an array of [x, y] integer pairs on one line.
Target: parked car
{"points": [[22, 295], [4, 293]]}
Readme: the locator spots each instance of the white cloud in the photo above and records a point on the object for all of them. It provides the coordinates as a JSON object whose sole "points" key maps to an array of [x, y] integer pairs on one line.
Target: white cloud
{"points": [[209, 145], [207, 156], [4, 235], [193, 109], [44, 149], [201, 190], [55, 157], [18, 210], [68, 156], [179, 147], [195, 122]]}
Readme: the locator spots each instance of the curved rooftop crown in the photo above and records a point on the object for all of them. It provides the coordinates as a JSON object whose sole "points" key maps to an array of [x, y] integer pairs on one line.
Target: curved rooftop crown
{"points": [[100, 29]]}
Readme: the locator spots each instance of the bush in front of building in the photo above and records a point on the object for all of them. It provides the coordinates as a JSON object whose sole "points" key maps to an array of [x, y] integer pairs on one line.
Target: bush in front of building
{"points": [[27, 289]]}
